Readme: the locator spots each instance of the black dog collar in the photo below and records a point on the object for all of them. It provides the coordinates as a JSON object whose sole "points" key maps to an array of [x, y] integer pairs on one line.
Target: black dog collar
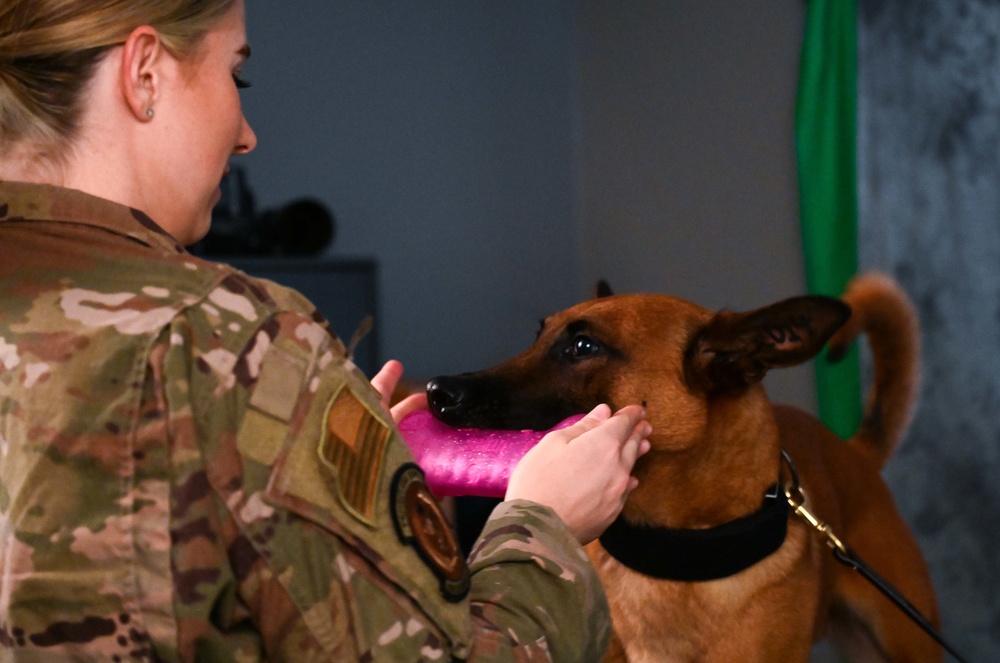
{"points": [[693, 555]]}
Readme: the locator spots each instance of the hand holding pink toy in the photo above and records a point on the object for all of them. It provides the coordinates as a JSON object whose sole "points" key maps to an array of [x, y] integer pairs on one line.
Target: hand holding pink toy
{"points": [[581, 468]]}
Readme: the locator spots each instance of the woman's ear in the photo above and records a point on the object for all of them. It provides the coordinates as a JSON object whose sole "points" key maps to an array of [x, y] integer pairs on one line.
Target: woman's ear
{"points": [[141, 77]]}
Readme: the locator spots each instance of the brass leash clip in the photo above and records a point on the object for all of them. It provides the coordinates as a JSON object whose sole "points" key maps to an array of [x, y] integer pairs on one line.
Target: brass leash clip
{"points": [[797, 500]]}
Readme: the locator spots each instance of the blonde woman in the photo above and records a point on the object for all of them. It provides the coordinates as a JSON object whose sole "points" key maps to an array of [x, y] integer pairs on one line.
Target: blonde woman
{"points": [[190, 468]]}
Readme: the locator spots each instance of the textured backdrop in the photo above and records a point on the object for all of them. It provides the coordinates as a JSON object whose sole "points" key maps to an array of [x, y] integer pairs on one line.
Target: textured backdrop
{"points": [[929, 194]]}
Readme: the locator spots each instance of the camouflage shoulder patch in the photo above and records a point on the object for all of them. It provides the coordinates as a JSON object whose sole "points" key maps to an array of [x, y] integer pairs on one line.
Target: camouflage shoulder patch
{"points": [[352, 447], [277, 389]]}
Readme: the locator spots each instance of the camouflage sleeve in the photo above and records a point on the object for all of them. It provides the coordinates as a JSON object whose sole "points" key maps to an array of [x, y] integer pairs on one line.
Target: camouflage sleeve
{"points": [[532, 581], [229, 599], [277, 553]]}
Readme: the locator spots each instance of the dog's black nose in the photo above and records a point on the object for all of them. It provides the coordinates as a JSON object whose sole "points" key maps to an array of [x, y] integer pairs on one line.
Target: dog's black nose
{"points": [[444, 395]]}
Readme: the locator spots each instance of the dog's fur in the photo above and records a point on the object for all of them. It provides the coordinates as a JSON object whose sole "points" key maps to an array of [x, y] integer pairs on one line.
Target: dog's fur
{"points": [[716, 448]]}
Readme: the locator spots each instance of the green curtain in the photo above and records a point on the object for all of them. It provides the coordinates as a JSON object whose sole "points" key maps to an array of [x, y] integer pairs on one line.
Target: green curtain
{"points": [[825, 135]]}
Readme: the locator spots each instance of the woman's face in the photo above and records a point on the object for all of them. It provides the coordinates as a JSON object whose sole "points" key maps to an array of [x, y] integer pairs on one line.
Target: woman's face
{"points": [[202, 125]]}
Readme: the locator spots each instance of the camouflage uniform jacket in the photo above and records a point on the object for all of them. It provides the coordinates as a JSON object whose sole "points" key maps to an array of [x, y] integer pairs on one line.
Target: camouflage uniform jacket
{"points": [[191, 469]]}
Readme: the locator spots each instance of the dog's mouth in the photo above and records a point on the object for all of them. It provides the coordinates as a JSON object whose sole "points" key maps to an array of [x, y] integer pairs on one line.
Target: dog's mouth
{"points": [[476, 401]]}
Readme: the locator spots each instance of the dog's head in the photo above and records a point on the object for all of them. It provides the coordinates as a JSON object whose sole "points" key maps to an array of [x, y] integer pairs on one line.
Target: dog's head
{"points": [[672, 356]]}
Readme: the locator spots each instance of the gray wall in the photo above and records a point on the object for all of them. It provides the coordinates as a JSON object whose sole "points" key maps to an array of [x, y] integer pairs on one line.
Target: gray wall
{"points": [[929, 194], [687, 170], [442, 136], [499, 157]]}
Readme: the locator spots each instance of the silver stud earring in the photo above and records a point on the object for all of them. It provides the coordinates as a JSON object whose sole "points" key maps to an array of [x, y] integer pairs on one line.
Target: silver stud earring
{"points": [[149, 112]]}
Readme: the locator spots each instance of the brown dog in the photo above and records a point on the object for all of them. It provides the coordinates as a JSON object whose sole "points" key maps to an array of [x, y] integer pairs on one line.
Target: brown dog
{"points": [[717, 568]]}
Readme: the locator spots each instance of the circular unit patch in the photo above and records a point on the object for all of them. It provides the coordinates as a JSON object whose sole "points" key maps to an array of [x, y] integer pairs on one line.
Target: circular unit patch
{"points": [[421, 523]]}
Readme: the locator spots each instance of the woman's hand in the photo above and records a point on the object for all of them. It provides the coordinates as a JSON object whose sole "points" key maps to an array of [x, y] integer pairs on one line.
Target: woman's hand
{"points": [[385, 383], [583, 472]]}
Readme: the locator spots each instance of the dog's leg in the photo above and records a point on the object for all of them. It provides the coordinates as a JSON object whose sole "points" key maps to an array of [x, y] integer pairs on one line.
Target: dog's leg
{"points": [[616, 652], [889, 630], [851, 640]]}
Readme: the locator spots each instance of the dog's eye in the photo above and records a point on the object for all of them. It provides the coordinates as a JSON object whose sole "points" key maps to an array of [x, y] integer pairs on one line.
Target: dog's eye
{"points": [[582, 346]]}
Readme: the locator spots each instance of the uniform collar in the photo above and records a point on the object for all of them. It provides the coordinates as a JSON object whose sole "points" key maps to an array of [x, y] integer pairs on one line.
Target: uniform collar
{"points": [[20, 201]]}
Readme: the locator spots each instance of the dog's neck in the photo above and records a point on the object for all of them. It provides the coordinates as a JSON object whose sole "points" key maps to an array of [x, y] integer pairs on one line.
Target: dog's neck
{"points": [[716, 480], [707, 509]]}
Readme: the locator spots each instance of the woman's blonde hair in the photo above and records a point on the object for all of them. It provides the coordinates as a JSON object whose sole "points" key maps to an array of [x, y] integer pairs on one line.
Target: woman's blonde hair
{"points": [[49, 49]]}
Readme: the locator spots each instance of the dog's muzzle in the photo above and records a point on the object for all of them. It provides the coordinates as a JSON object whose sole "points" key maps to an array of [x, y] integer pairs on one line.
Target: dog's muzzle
{"points": [[480, 400]]}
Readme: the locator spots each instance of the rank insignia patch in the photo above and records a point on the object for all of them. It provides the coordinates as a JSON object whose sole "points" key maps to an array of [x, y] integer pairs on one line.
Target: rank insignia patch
{"points": [[421, 523], [353, 443]]}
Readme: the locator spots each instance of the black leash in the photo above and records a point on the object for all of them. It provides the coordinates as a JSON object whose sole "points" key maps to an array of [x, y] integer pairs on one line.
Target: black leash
{"points": [[847, 557]]}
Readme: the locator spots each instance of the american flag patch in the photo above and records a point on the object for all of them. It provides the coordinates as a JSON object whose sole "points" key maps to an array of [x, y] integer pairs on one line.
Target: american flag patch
{"points": [[353, 444]]}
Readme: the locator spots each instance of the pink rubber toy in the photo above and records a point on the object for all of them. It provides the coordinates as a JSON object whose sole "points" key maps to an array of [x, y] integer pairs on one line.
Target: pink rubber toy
{"points": [[467, 461]]}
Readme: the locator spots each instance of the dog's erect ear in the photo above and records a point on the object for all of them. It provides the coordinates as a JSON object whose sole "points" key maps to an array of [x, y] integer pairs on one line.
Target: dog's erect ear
{"points": [[735, 350], [602, 289]]}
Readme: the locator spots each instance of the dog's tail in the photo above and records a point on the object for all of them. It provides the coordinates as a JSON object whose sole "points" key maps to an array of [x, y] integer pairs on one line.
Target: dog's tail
{"points": [[881, 310]]}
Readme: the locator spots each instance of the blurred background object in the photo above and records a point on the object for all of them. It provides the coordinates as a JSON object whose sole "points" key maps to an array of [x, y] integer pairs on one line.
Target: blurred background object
{"points": [[302, 227]]}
